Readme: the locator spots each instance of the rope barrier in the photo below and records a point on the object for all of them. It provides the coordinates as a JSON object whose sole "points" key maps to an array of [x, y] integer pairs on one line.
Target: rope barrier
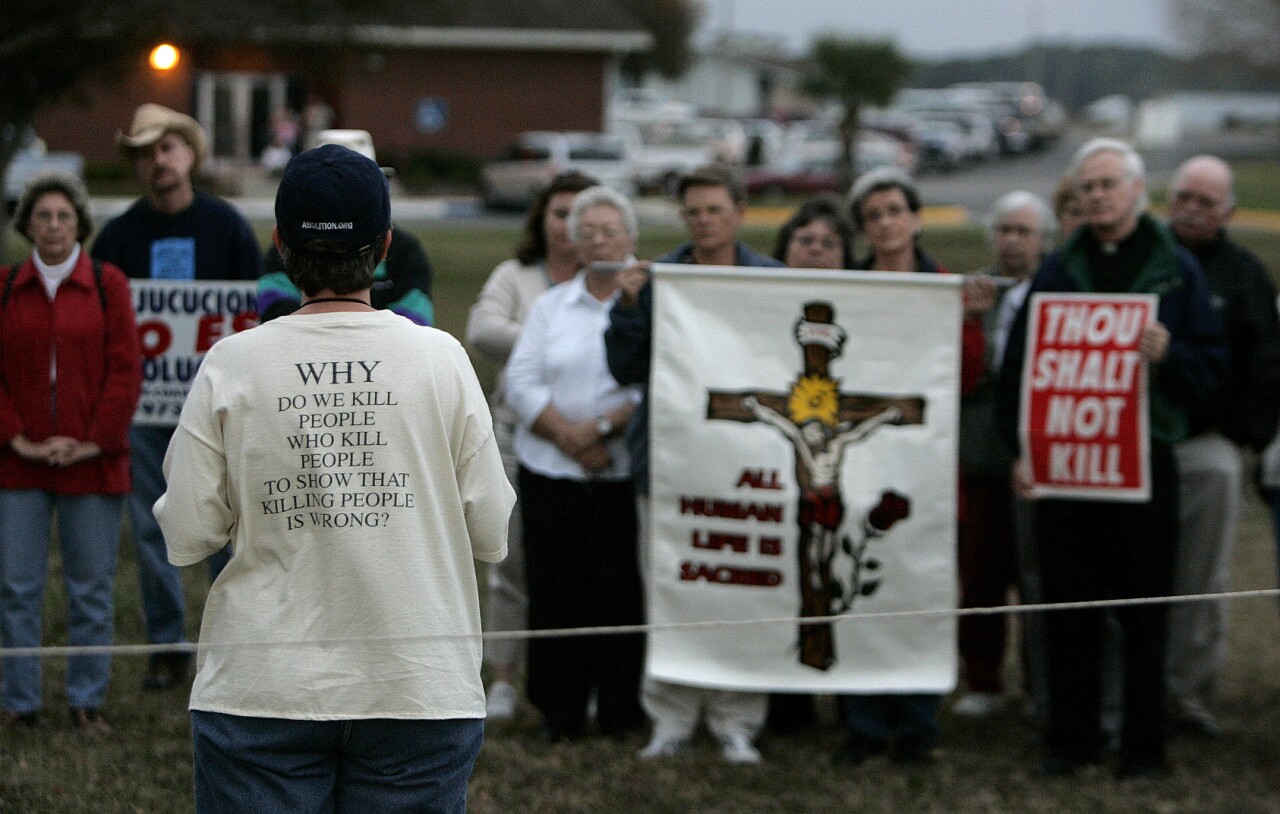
{"points": [[501, 635]]}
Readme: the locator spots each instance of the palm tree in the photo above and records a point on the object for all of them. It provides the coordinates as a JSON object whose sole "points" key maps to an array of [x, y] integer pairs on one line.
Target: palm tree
{"points": [[854, 72]]}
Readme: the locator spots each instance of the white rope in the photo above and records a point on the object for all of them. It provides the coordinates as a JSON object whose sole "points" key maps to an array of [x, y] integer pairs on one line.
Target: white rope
{"points": [[501, 635]]}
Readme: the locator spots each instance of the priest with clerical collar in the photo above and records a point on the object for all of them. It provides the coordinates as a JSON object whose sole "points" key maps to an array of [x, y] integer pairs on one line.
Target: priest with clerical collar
{"points": [[1091, 549]]}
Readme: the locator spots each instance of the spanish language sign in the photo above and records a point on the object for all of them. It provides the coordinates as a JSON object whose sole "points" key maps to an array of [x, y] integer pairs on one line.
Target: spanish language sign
{"points": [[177, 324], [1084, 396], [803, 452]]}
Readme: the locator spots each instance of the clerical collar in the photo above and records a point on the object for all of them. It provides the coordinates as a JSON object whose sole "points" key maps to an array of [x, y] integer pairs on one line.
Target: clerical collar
{"points": [[1115, 265]]}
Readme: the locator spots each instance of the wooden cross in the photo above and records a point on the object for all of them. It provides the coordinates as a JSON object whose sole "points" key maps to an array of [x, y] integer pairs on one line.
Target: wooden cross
{"points": [[815, 396]]}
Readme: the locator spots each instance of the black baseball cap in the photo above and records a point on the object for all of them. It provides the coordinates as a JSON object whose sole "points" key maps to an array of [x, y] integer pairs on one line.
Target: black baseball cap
{"points": [[332, 203]]}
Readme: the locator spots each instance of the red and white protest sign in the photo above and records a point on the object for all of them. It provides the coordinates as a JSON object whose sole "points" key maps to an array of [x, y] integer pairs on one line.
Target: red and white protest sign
{"points": [[1084, 396]]}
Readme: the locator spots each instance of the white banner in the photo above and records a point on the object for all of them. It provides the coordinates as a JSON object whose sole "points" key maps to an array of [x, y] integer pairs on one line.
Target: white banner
{"points": [[803, 462], [177, 324]]}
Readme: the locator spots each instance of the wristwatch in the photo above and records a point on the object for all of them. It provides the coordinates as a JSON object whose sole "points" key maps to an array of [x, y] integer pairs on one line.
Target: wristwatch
{"points": [[604, 427]]}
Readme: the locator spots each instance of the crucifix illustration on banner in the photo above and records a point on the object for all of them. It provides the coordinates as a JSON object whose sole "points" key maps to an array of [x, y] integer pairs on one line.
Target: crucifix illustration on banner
{"points": [[821, 422]]}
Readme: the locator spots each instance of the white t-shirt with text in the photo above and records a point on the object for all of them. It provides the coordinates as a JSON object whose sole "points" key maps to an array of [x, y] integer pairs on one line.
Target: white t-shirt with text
{"points": [[349, 459]]}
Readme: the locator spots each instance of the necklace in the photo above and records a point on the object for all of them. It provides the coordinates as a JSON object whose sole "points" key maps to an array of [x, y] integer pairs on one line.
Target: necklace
{"points": [[336, 299]]}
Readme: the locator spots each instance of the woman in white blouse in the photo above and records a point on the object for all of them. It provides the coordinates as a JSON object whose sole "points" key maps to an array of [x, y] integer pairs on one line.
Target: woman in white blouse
{"points": [[579, 509]]}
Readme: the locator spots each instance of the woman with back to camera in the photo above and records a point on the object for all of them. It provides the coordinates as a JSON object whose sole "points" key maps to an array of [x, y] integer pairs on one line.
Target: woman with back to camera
{"points": [[70, 372], [581, 559], [545, 257], [885, 207]]}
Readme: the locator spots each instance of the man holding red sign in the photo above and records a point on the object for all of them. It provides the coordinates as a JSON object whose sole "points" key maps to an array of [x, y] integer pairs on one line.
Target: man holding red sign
{"points": [[1100, 534]]}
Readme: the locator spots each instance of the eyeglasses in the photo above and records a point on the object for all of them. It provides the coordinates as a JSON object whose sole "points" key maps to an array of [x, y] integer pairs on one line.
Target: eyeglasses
{"points": [[45, 217], [1015, 229], [606, 232], [1186, 197], [1100, 184], [809, 241], [893, 210]]}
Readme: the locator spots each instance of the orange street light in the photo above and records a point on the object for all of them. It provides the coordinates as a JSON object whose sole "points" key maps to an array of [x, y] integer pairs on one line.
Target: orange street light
{"points": [[164, 57]]}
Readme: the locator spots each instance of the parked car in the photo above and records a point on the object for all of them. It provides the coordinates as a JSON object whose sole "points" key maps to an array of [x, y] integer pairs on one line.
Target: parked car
{"points": [[662, 151], [1011, 132], [943, 145], [646, 104], [813, 141], [808, 164], [803, 178], [880, 149], [729, 141], [1043, 120], [764, 140], [981, 139], [31, 160], [524, 169]]}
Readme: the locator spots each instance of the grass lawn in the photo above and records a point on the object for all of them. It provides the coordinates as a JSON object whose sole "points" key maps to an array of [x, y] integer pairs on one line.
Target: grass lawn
{"points": [[986, 768], [1257, 183]]}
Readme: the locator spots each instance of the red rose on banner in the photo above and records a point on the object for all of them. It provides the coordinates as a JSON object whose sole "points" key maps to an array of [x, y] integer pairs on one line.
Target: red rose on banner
{"points": [[891, 508]]}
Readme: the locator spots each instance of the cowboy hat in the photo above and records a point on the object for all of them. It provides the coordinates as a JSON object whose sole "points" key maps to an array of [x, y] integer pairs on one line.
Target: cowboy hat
{"points": [[152, 121]]}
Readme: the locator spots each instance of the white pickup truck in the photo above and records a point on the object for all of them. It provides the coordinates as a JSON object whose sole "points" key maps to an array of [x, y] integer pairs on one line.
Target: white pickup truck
{"points": [[31, 161]]}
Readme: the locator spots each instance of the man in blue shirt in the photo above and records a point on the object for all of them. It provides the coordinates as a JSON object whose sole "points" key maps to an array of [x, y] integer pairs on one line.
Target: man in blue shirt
{"points": [[173, 232], [712, 206]]}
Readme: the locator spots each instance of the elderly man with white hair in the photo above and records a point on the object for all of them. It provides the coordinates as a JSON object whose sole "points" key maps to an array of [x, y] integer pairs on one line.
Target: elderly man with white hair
{"points": [[1020, 229], [1098, 550], [1201, 203]]}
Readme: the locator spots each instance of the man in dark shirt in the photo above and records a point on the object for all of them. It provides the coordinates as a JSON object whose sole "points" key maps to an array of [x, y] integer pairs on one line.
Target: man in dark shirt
{"points": [[174, 232], [1201, 203], [1100, 550], [711, 205]]}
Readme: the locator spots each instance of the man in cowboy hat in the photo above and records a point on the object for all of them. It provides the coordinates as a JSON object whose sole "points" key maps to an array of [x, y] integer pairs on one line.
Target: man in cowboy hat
{"points": [[173, 232]]}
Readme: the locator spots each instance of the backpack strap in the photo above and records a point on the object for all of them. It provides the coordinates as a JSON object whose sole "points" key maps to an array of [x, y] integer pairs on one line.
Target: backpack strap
{"points": [[13, 275], [97, 282], [10, 276]]}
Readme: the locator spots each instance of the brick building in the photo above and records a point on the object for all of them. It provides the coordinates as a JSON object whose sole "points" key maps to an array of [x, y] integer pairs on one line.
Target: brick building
{"points": [[460, 77]]}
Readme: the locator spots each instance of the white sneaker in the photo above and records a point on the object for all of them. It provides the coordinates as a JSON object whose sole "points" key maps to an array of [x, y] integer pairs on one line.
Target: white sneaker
{"points": [[978, 704], [500, 703], [738, 749], [662, 746]]}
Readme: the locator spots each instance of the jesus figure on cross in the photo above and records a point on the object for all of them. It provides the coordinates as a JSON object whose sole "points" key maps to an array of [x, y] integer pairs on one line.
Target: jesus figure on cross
{"points": [[821, 422], [819, 453]]}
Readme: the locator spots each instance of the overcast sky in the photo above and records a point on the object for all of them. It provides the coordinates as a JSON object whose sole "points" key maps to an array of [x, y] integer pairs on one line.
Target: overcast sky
{"points": [[945, 27]]}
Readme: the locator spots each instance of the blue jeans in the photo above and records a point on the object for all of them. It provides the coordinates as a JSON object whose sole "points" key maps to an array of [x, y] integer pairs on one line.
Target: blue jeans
{"points": [[164, 605], [362, 766], [890, 716], [89, 534]]}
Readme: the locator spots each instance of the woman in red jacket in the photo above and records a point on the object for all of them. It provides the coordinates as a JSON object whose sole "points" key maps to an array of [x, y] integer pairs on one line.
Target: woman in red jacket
{"points": [[70, 371]]}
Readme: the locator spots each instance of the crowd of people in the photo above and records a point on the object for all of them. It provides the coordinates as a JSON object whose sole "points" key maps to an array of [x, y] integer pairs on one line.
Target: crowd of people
{"points": [[569, 321], [1097, 681]]}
